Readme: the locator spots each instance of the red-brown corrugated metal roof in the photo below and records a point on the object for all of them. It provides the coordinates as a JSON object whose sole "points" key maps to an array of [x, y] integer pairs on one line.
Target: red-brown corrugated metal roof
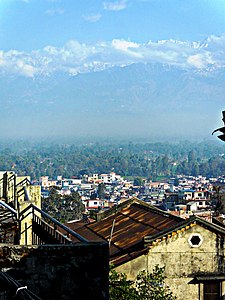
{"points": [[132, 223]]}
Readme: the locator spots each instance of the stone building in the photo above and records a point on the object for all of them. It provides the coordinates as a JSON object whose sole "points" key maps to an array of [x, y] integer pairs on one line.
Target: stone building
{"points": [[142, 236]]}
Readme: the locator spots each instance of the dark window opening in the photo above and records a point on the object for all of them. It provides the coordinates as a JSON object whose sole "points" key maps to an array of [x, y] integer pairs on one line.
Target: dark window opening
{"points": [[195, 240], [212, 290]]}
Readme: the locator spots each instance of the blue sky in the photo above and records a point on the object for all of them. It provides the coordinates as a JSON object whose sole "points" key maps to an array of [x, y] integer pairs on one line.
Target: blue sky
{"points": [[40, 36], [43, 36], [33, 24]]}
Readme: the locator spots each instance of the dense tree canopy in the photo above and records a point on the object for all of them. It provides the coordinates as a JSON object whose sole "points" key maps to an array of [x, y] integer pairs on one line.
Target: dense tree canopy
{"points": [[148, 160]]}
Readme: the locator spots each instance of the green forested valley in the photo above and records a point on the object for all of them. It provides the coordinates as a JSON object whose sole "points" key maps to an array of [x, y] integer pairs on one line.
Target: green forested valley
{"points": [[145, 159]]}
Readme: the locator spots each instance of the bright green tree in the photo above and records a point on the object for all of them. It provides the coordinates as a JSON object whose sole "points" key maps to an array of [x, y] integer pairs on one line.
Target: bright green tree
{"points": [[151, 286], [120, 288], [146, 286]]}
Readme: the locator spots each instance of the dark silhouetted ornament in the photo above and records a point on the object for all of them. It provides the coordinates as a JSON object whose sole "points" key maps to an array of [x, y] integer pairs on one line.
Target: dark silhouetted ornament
{"points": [[222, 129]]}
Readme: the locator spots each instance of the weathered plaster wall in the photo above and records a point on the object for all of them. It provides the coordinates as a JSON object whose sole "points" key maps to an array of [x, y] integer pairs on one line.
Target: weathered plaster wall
{"points": [[182, 262], [34, 193], [59, 272]]}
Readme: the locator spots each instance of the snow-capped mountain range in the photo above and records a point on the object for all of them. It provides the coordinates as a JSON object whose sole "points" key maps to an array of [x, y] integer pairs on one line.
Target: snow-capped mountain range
{"points": [[150, 99]]}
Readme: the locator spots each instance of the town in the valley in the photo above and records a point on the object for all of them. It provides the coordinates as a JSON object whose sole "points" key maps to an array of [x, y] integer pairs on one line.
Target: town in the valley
{"points": [[181, 195], [175, 226]]}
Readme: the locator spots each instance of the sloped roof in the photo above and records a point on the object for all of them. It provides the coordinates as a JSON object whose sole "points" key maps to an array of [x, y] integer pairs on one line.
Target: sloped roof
{"points": [[185, 225], [134, 226], [133, 220]]}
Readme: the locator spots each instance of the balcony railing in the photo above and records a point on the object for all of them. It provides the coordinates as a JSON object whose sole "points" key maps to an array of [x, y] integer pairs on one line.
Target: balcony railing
{"points": [[47, 230]]}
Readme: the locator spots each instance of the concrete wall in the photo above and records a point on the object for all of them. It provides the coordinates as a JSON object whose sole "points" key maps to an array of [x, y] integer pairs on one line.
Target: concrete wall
{"points": [[78, 271], [34, 193], [182, 261], [8, 180]]}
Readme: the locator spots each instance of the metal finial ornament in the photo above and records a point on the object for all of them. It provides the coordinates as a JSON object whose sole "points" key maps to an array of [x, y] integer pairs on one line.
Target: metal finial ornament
{"points": [[222, 129]]}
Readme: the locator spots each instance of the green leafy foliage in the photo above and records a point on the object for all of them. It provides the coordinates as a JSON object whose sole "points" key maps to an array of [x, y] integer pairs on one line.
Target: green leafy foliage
{"points": [[63, 208], [121, 288], [138, 181], [146, 286], [151, 286], [101, 191], [218, 199], [127, 159]]}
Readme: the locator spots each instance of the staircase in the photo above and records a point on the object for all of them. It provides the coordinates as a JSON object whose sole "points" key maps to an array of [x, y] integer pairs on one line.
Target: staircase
{"points": [[47, 230]]}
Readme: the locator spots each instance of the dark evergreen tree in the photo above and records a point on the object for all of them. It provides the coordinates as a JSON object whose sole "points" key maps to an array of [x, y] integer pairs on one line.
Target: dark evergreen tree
{"points": [[101, 191], [63, 208]]}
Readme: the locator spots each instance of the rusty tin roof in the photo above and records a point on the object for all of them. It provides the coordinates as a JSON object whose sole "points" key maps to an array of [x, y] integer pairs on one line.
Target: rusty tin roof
{"points": [[126, 226]]}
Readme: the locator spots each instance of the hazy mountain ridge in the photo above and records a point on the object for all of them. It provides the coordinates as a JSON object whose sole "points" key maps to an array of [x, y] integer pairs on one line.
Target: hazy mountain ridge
{"points": [[145, 93]]}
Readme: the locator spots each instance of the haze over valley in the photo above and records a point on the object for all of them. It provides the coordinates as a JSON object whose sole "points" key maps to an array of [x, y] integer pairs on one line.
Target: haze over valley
{"points": [[119, 69]]}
